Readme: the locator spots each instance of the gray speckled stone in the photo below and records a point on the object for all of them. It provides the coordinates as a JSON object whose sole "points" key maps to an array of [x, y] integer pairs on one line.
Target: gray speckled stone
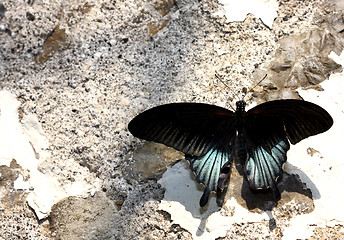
{"points": [[108, 61]]}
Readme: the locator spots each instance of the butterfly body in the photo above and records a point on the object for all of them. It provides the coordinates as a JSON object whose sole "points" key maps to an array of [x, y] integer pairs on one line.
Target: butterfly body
{"points": [[241, 141], [212, 138]]}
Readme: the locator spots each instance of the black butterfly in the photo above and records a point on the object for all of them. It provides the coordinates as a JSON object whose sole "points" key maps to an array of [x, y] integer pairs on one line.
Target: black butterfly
{"points": [[211, 137]]}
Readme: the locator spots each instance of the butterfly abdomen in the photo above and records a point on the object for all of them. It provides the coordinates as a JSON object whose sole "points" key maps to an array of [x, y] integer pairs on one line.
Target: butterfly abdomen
{"points": [[241, 152]]}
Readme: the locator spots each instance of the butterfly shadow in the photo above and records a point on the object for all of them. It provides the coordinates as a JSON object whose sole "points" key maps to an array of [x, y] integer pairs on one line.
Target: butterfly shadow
{"points": [[260, 201], [290, 186], [186, 191]]}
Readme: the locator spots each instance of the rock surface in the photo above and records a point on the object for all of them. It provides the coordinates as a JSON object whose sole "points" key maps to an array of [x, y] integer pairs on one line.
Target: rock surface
{"points": [[78, 71]]}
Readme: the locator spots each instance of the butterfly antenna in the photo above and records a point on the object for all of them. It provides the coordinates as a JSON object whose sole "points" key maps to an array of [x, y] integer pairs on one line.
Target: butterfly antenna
{"points": [[257, 83], [223, 82], [220, 79]]}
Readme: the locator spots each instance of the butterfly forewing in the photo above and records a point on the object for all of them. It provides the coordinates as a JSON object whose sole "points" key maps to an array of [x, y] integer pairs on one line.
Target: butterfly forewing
{"points": [[192, 128], [296, 119]]}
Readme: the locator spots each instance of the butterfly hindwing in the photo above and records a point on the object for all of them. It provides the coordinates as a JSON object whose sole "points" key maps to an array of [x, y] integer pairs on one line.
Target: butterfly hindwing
{"points": [[207, 169], [264, 166]]}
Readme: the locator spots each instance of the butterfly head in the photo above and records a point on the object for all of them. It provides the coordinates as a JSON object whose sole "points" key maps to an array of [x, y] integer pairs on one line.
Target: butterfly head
{"points": [[240, 105]]}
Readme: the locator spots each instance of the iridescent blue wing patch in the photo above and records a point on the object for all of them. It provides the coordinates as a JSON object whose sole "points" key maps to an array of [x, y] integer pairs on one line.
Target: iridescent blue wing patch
{"points": [[207, 170], [263, 166]]}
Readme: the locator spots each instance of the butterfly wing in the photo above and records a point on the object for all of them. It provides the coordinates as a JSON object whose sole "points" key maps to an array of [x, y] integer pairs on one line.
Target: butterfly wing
{"points": [[268, 126], [267, 123], [263, 167], [205, 133], [192, 128], [208, 169]]}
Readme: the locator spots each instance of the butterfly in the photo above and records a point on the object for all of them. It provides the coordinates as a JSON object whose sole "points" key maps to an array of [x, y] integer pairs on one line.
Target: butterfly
{"points": [[212, 138]]}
